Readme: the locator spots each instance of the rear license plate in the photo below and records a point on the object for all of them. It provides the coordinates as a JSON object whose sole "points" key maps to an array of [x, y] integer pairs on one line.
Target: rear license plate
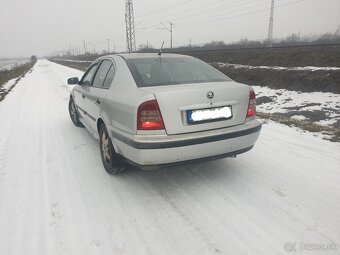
{"points": [[208, 115]]}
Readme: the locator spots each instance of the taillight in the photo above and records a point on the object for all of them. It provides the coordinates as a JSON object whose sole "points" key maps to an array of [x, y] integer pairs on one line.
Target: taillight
{"points": [[149, 116], [252, 104]]}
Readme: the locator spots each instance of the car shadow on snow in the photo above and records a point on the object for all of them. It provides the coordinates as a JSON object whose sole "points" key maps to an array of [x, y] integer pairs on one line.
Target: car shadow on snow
{"points": [[221, 172]]}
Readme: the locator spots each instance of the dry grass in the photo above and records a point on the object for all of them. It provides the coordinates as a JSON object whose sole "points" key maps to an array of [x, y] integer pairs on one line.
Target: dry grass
{"points": [[333, 133], [76, 65]]}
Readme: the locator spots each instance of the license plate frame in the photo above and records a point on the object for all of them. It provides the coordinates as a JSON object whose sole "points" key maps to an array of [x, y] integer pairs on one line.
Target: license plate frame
{"points": [[216, 114]]}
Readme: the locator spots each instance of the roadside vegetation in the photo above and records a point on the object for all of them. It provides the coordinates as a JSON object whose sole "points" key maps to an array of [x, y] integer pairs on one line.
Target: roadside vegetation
{"points": [[298, 80], [82, 66], [15, 73], [322, 55], [308, 80], [294, 50]]}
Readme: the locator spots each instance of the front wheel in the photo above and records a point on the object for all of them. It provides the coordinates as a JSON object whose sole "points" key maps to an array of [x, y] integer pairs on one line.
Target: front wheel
{"points": [[112, 161], [74, 113]]}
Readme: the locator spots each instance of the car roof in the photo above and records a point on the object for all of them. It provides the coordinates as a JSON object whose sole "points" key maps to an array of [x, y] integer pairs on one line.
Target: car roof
{"points": [[146, 55]]}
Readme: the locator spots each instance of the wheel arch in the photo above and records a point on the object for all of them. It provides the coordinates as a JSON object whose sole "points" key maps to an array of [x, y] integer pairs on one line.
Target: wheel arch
{"points": [[100, 121]]}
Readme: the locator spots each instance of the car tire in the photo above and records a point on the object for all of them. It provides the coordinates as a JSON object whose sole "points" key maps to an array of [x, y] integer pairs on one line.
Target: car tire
{"points": [[74, 113], [112, 162]]}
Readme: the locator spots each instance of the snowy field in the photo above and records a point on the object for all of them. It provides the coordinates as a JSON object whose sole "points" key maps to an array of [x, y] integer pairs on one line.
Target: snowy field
{"points": [[320, 107], [9, 64], [56, 198]]}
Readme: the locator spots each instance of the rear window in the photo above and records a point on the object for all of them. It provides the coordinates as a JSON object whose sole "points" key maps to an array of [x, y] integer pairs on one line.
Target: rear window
{"points": [[159, 71]]}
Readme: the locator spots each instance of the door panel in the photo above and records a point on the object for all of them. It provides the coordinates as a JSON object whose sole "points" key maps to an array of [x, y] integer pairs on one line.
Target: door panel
{"points": [[79, 100], [83, 89], [93, 100], [96, 93]]}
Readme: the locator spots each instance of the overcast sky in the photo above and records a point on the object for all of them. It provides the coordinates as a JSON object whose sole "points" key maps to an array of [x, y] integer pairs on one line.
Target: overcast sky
{"points": [[43, 26]]}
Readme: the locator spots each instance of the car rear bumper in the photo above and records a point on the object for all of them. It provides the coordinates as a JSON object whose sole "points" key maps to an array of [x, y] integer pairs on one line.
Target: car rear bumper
{"points": [[154, 151]]}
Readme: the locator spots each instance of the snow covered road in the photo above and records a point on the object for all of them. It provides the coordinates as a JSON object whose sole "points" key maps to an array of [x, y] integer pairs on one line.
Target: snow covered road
{"points": [[56, 198]]}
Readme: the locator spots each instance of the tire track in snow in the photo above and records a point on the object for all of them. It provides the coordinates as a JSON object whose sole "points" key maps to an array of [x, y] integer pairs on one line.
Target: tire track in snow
{"points": [[157, 184]]}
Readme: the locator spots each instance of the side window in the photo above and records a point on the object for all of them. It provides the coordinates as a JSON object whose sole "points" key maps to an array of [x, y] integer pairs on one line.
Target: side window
{"points": [[102, 73], [87, 79], [109, 77]]}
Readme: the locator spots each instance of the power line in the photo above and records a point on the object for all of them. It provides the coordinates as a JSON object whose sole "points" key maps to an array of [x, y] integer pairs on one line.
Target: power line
{"points": [[231, 11], [236, 16], [184, 11], [220, 9], [171, 6], [207, 9], [216, 9], [232, 5], [150, 34]]}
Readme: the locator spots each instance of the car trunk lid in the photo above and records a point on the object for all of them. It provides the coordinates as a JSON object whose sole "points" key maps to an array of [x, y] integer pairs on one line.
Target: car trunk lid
{"points": [[177, 104]]}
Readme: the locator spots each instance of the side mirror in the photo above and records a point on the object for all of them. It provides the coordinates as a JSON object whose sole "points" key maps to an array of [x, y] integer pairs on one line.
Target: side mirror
{"points": [[73, 81]]}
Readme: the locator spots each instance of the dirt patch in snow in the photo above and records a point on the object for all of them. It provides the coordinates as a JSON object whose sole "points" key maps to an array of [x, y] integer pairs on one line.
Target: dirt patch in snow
{"points": [[264, 100]]}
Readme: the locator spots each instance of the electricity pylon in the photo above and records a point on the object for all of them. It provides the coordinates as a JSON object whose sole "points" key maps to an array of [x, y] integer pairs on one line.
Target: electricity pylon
{"points": [[130, 26], [271, 25]]}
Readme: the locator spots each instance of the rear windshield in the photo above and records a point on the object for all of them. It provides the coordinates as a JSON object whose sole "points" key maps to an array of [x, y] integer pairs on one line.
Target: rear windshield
{"points": [[159, 71]]}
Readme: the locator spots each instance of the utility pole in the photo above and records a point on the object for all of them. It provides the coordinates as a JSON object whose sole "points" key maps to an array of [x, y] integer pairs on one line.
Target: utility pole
{"points": [[170, 30], [271, 25], [84, 42], [108, 45], [130, 26]]}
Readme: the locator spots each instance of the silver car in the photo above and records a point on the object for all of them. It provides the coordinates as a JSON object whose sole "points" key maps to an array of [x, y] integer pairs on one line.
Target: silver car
{"points": [[154, 110]]}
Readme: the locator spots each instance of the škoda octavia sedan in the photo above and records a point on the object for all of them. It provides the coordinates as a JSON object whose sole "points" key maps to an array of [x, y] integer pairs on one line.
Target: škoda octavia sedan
{"points": [[153, 110]]}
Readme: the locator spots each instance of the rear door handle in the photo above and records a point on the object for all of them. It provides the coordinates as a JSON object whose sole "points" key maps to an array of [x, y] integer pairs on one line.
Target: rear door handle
{"points": [[97, 101], [83, 96]]}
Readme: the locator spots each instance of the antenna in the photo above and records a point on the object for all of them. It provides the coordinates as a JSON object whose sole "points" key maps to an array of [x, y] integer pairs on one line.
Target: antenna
{"points": [[271, 25], [130, 26], [160, 50]]}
